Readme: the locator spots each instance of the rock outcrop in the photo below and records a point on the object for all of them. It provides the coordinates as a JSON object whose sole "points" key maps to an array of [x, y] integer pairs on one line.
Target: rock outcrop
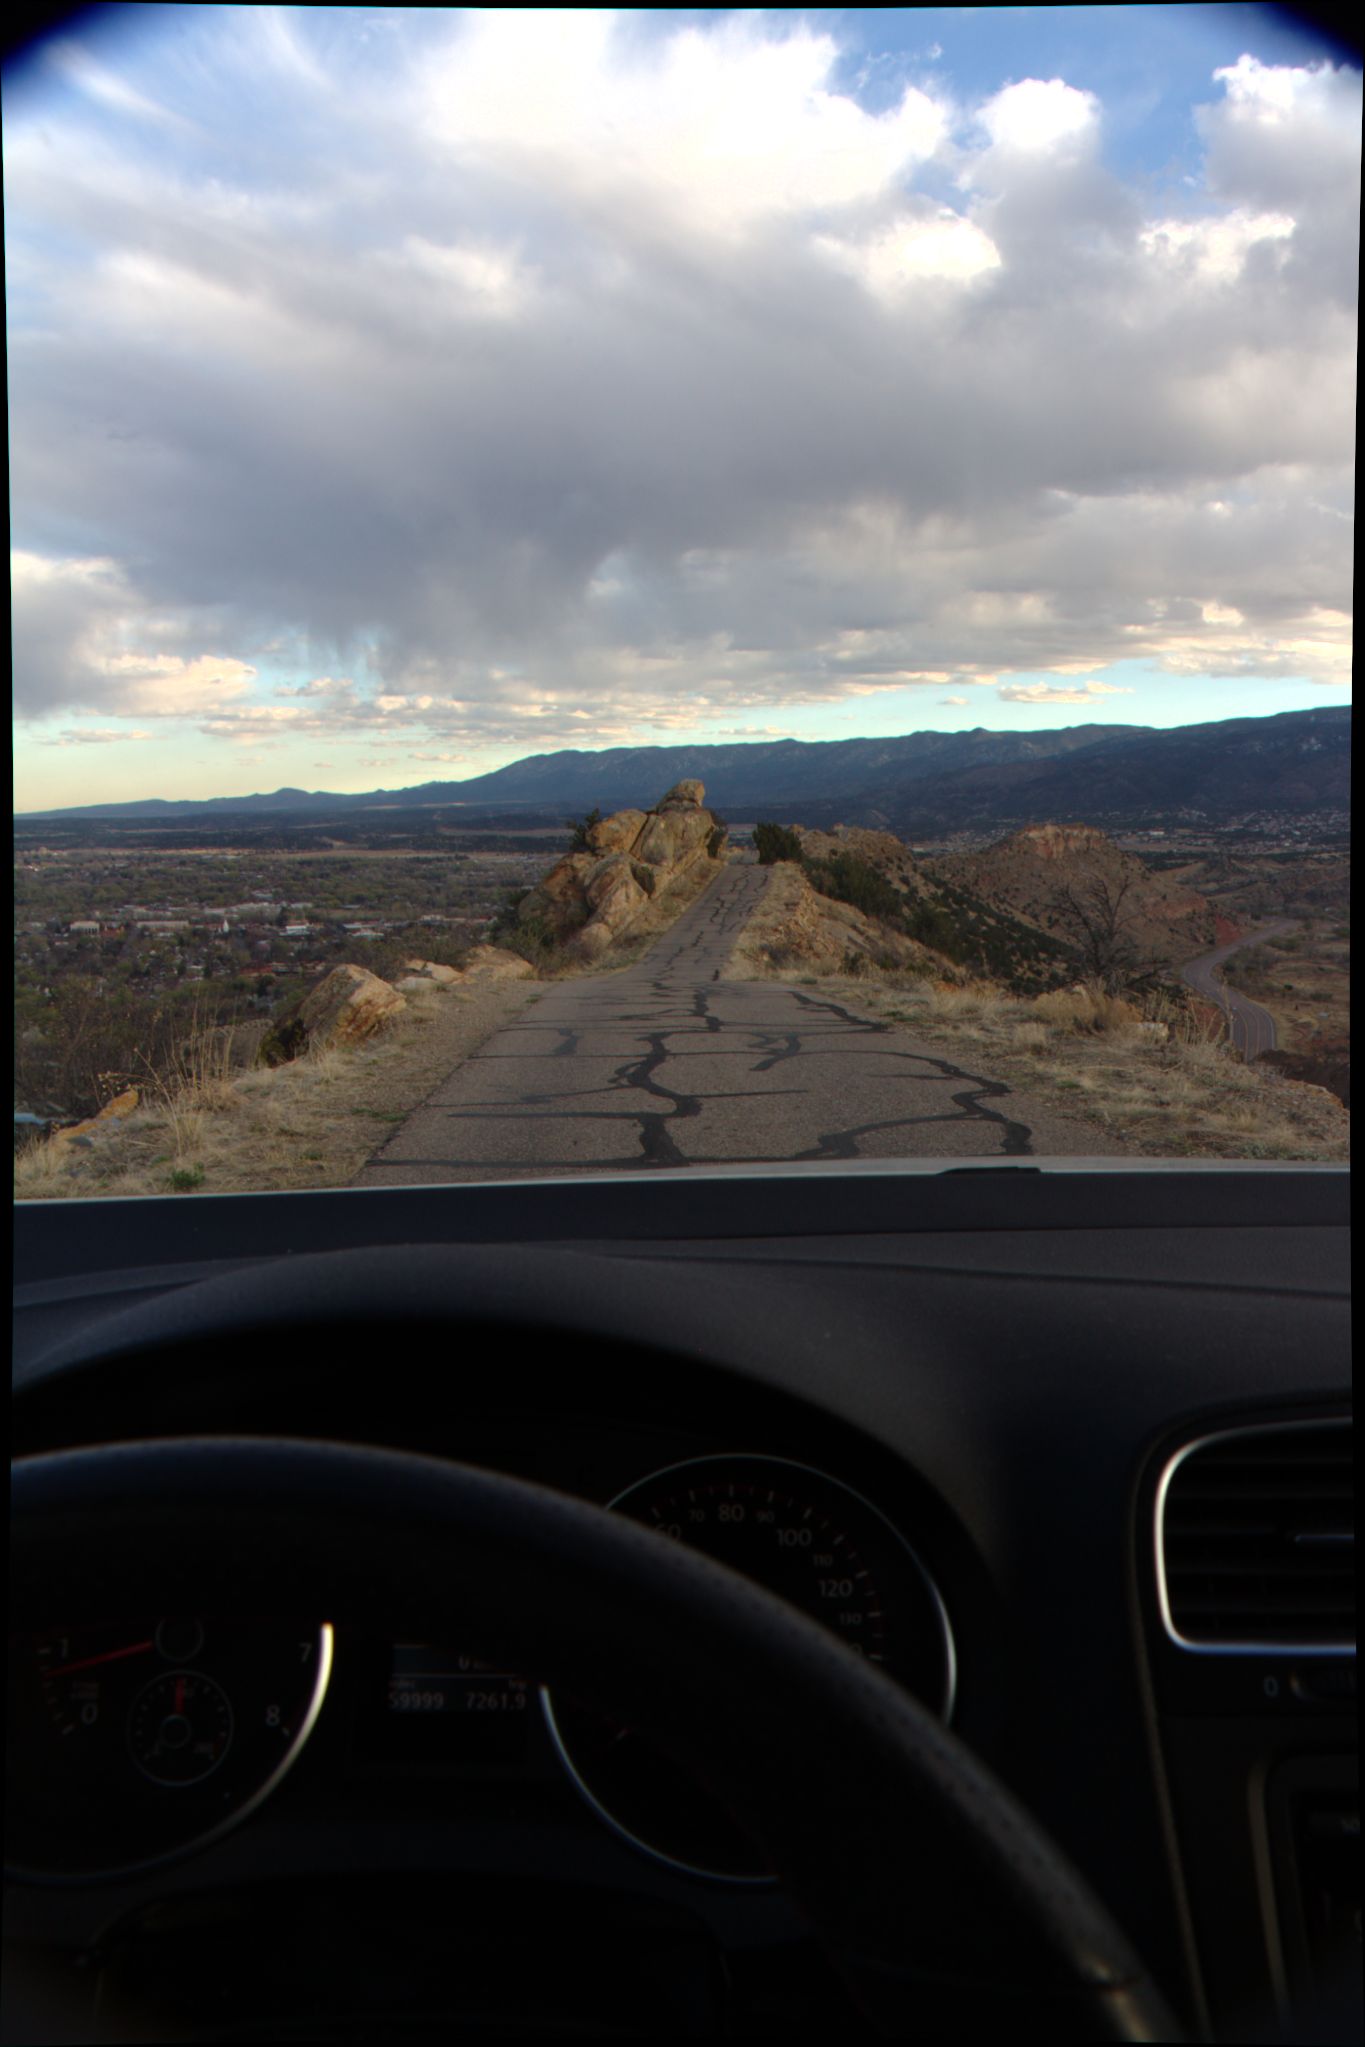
{"points": [[494, 963], [597, 894], [346, 1007], [109, 1118]]}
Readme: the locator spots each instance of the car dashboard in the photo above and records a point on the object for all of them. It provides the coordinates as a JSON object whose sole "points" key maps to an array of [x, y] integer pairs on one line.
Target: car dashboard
{"points": [[976, 1423]]}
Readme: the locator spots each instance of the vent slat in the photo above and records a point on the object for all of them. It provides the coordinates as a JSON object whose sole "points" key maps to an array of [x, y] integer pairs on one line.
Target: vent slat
{"points": [[1257, 1540]]}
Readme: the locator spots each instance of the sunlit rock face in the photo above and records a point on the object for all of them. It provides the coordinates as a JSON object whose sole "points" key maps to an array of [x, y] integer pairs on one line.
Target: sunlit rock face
{"points": [[597, 895], [347, 1006], [483, 963], [494, 963]]}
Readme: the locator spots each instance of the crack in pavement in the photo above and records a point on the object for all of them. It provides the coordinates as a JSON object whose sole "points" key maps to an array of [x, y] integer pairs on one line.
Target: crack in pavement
{"points": [[657, 1146]]}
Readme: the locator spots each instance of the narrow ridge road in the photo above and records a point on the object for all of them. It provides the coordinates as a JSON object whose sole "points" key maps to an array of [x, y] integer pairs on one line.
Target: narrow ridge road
{"points": [[665, 1065], [1251, 1028]]}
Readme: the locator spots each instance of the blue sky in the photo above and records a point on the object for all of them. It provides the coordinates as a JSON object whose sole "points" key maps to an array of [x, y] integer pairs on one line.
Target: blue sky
{"points": [[398, 392]]}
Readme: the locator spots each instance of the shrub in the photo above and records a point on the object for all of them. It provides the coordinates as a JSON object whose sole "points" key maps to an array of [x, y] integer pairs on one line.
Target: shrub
{"points": [[579, 828], [284, 1041], [1088, 1008], [847, 879], [715, 842], [777, 842]]}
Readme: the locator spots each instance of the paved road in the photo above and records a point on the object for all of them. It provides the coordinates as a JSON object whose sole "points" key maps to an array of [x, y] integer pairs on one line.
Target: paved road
{"points": [[1251, 1028], [663, 1064]]}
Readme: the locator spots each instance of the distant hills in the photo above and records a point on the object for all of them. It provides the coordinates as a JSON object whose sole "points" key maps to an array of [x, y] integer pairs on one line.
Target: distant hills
{"points": [[922, 785]]}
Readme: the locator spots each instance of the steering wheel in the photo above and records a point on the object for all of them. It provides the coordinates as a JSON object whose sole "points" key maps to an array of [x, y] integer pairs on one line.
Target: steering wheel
{"points": [[940, 1902]]}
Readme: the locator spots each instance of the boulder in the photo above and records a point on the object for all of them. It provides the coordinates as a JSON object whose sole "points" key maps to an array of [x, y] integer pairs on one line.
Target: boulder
{"points": [[431, 970], [683, 796], [347, 1006], [495, 963]]}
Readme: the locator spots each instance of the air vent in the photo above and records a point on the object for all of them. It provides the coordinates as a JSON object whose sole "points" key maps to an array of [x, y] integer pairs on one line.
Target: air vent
{"points": [[1255, 1541]]}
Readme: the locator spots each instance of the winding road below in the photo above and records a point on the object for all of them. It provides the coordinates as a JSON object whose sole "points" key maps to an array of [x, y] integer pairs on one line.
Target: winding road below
{"points": [[1251, 1028], [664, 1064]]}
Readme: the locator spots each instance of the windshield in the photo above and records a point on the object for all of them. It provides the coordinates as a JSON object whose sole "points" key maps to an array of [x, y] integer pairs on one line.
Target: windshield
{"points": [[677, 590]]}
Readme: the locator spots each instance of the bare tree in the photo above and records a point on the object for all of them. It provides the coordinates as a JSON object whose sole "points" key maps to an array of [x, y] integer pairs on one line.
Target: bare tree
{"points": [[1101, 929]]}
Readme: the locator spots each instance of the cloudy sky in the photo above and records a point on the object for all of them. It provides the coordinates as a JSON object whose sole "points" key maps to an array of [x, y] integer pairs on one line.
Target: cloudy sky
{"points": [[395, 393]]}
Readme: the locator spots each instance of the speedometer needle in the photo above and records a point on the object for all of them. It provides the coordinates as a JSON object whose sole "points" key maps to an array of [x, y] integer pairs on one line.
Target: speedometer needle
{"points": [[109, 1656]]}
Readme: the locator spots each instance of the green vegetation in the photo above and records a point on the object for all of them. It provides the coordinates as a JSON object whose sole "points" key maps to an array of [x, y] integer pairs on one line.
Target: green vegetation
{"points": [[579, 828], [850, 880], [952, 922], [776, 842]]}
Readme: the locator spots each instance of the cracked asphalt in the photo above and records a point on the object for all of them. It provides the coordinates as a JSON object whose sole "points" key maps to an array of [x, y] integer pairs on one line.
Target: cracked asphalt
{"points": [[665, 1065]]}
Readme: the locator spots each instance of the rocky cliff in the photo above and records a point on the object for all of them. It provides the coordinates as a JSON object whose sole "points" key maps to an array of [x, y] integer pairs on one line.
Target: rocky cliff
{"points": [[602, 891]]}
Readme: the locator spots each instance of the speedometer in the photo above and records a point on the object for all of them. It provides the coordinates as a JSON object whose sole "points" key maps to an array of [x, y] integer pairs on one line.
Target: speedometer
{"points": [[811, 1541]]}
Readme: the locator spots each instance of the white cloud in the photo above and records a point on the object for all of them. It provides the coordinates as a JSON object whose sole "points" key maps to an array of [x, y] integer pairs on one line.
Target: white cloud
{"points": [[1050, 693], [170, 686], [75, 64], [1038, 117], [893, 259], [1215, 248], [1283, 137], [72, 620], [105, 736], [725, 125]]}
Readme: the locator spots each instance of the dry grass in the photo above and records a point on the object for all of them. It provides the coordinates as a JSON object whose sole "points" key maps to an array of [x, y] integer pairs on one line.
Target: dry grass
{"points": [[313, 1123], [1159, 1077]]}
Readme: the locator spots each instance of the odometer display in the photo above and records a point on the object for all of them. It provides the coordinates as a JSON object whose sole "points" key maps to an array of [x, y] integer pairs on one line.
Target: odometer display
{"points": [[814, 1543]]}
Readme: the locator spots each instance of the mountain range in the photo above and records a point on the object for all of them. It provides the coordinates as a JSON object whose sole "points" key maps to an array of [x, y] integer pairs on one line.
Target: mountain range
{"points": [[924, 784]]}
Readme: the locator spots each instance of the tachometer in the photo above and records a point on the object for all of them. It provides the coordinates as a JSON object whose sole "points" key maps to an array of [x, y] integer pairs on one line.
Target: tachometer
{"points": [[813, 1542], [132, 1741]]}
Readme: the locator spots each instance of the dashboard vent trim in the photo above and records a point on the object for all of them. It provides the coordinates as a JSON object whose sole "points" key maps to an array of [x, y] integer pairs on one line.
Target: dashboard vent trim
{"points": [[1254, 1533]]}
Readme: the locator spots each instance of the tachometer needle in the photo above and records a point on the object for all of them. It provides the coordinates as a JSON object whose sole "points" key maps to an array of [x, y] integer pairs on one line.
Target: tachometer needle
{"points": [[109, 1656]]}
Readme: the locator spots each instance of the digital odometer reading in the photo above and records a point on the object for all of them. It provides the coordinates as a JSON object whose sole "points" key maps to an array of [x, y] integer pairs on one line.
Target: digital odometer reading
{"points": [[815, 1544], [458, 1701]]}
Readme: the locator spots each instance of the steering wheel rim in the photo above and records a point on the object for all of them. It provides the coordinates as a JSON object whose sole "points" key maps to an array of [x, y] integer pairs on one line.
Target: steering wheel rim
{"points": [[606, 1612]]}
